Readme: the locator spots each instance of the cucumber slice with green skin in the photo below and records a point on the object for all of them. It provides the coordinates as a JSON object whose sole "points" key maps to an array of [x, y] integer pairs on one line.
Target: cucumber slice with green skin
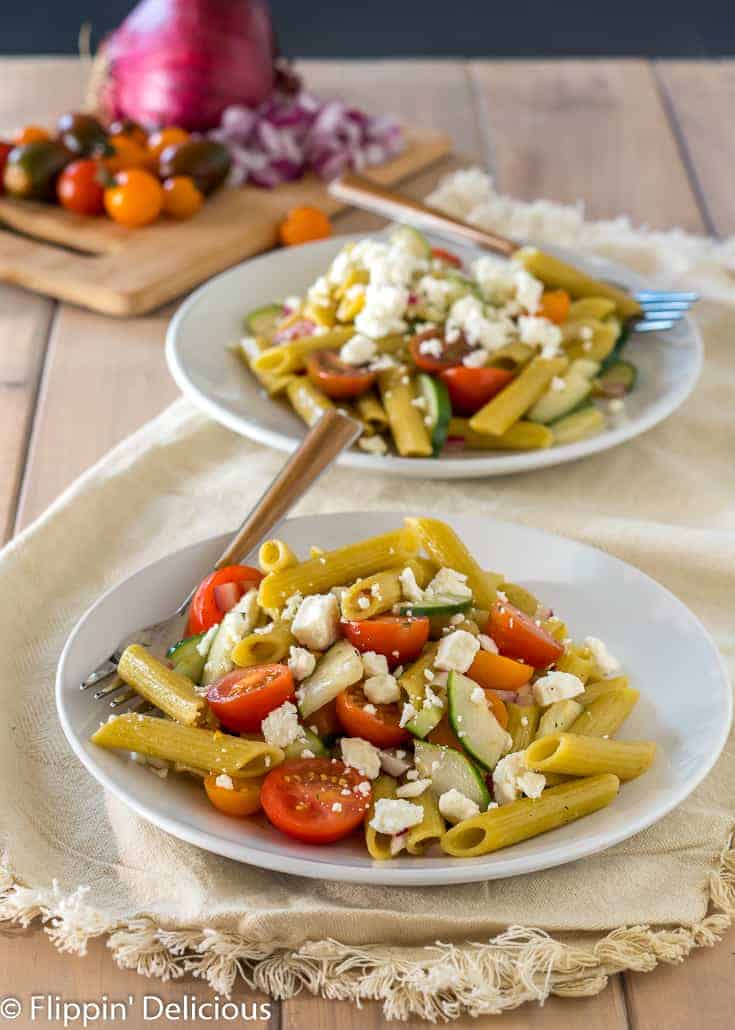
{"points": [[617, 380], [615, 353], [263, 321], [309, 742], [425, 721], [450, 769], [443, 606], [482, 736], [412, 240], [578, 425], [185, 658], [555, 404], [438, 409]]}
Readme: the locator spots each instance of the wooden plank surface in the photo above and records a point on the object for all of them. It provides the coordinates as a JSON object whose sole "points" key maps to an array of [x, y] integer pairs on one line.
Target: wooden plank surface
{"points": [[102, 379]]}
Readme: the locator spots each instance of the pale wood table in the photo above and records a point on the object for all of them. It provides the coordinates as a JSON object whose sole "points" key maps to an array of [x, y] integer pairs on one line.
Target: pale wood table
{"points": [[653, 141]]}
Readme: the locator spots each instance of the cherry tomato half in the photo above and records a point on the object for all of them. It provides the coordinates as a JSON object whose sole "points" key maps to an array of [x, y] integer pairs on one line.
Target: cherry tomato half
{"points": [[80, 188], [243, 698], [496, 672], [240, 800], [205, 611], [305, 800], [324, 721], [471, 388], [135, 199], [399, 637], [451, 353], [380, 726], [335, 377], [555, 305], [518, 636], [447, 256]]}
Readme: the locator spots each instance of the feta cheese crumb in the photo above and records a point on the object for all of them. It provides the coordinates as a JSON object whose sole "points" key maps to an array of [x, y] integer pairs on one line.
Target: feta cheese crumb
{"points": [[381, 689], [412, 789], [301, 662], [407, 714], [291, 606], [281, 726], [317, 621], [411, 590], [512, 777], [374, 664], [370, 709], [394, 815], [556, 686], [456, 806], [359, 350], [477, 696], [363, 602], [394, 762], [361, 755], [475, 359], [607, 663], [224, 781], [457, 651], [487, 643], [448, 583], [373, 444], [206, 642]]}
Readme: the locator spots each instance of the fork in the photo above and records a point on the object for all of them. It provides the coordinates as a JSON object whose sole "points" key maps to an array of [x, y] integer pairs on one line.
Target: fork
{"points": [[659, 309], [327, 438]]}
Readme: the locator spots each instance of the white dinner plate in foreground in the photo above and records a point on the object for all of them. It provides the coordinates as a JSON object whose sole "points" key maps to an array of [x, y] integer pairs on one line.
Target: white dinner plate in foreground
{"points": [[662, 646], [210, 374]]}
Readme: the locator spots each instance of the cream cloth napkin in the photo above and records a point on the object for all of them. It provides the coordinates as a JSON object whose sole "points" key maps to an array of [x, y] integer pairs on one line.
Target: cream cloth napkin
{"points": [[86, 866]]}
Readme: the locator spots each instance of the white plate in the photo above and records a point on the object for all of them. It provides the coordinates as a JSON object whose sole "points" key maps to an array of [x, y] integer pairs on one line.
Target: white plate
{"points": [[662, 646], [213, 377]]}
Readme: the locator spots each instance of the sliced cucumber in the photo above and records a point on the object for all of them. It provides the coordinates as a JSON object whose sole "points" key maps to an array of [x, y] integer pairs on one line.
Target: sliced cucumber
{"points": [[442, 606], [617, 350], [447, 769], [412, 240], [481, 734], [617, 380], [438, 409], [425, 721], [336, 670], [263, 321], [555, 404], [186, 659], [585, 422], [308, 742], [236, 624]]}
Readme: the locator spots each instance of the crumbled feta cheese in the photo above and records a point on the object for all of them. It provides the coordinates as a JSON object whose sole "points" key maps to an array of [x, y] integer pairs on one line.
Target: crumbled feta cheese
{"points": [[469, 317], [206, 642], [363, 602], [237, 623], [383, 310], [495, 278], [370, 709], [433, 347], [512, 777], [224, 781], [363, 787], [456, 806], [607, 663], [540, 332], [394, 815], [487, 643], [381, 689], [281, 726], [448, 583], [319, 293], [373, 444], [457, 651], [359, 350], [407, 714], [475, 359], [411, 590], [374, 664], [301, 662], [529, 289], [291, 606], [361, 755], [556, 686], [586, 332], [412, 789], [306, 753], [317, 621], [394, 762]]}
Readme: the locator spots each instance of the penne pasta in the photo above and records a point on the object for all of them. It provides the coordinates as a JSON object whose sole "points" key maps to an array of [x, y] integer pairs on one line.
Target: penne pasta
{"points": [[606, 714], [577, 661], [598, 347], [513, 355], [590, 307], [523, 722], [559, 717], [507, 407], [430, 830], [413, 682], [372, 412], [260, 648], [529, 817], [448, 551], [560, 276], [289, 357], [188, 745], [378, 844], [575, 755], [594, 689], [307, 400], [371, 596], [522, 436], [168, 690], [397, 392], [520, 598], [275, 555]]}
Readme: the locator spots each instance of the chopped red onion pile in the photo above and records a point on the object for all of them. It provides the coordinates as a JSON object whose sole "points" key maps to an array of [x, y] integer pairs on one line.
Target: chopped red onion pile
{"points": [[290, 134]]}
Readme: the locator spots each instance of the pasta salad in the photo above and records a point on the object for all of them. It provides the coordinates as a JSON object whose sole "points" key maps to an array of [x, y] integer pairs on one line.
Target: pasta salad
{"points": [[391, 687], [429, 355]]}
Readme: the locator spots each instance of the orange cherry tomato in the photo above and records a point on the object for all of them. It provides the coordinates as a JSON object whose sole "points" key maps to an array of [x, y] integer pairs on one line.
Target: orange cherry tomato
{"points": [[303, 224], [335, 377], [80, 189], [324, 721], [31, 134], [399, 637], [518, 636], [446, 256], [444, 735], [181, 198], [128, 154], [496, 672], [243, 698], [243, 799], [379, 726], [471, 388], [498, 707], [451, 353], [134, 131], [205, 609], [305, 799], [555, 305], [135, 199], [167, 137]]}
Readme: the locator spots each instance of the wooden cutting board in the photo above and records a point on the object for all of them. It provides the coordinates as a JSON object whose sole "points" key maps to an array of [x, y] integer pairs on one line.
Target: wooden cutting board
{"points": [[118, 271]]}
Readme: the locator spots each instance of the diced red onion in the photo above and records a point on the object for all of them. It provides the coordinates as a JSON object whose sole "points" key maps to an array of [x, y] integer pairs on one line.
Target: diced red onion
{"points": [[301, 327], [507, 695]]}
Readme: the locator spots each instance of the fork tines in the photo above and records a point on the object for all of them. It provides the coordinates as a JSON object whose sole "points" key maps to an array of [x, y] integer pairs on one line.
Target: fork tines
{"points": [[662, 309]]}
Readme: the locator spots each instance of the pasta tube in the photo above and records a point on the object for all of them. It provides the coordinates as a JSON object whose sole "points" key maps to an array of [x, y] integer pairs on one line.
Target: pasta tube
{"points": [[413, 682], [307, 400], [335, 568], [560, 276], [522, 436], [578, 661], [378, 844], [513, 355], [575, 755], [273, 382], [520, 598], [173, 693], [406, 422], [431, 828], [371, 411], [590, 307], [196, 748], [604, 716], [579, 425], [559, 717], [289, 357], [506, 407], [275, 555], [604, 338], [523, 722], [593, 690], [372, 596], [264, 648], [448, 551], [529, 817]]}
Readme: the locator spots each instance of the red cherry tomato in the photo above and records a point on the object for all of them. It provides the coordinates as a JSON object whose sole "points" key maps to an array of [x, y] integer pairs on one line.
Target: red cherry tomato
{"points": [[205, 611], [305, 799], [5, 149], [451, 353], [518, 636], [447, 256], [324, 721], [80, 188], [335, 377], [399, 637], [471, 388], [381, 726], [243, 698]]}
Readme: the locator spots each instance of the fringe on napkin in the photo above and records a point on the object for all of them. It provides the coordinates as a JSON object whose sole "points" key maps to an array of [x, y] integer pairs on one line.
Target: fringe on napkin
{"points": [[444, 982]]}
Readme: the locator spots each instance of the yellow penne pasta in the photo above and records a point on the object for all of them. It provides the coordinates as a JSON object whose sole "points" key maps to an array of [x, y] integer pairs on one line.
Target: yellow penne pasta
{"points": [[506, 407], [606, 714], [594, 689], [338, 567], [289, 357], [431, 828], [513, 355], [555, 628], [522, 436], [560, 276], [413, 682], [579, 425], [577, 661], [576, 755], [264, 648], [559, 717], [378, 844], [590, 307], [448, 551], [406, 421], [173, 693], [424, 569], [598, 346], [520, 598], [307, 400], [188, 745], [529, 817], [371, 411], [372, 595], [523, 721], [275, 555]]}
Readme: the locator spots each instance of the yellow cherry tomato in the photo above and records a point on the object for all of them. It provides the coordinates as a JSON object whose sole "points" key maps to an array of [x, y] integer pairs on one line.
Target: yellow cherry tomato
{"points": [[240, 800], [158, 141], [128, 154], [181, 198], [303, 224], [31, 134], [135, 199]]}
